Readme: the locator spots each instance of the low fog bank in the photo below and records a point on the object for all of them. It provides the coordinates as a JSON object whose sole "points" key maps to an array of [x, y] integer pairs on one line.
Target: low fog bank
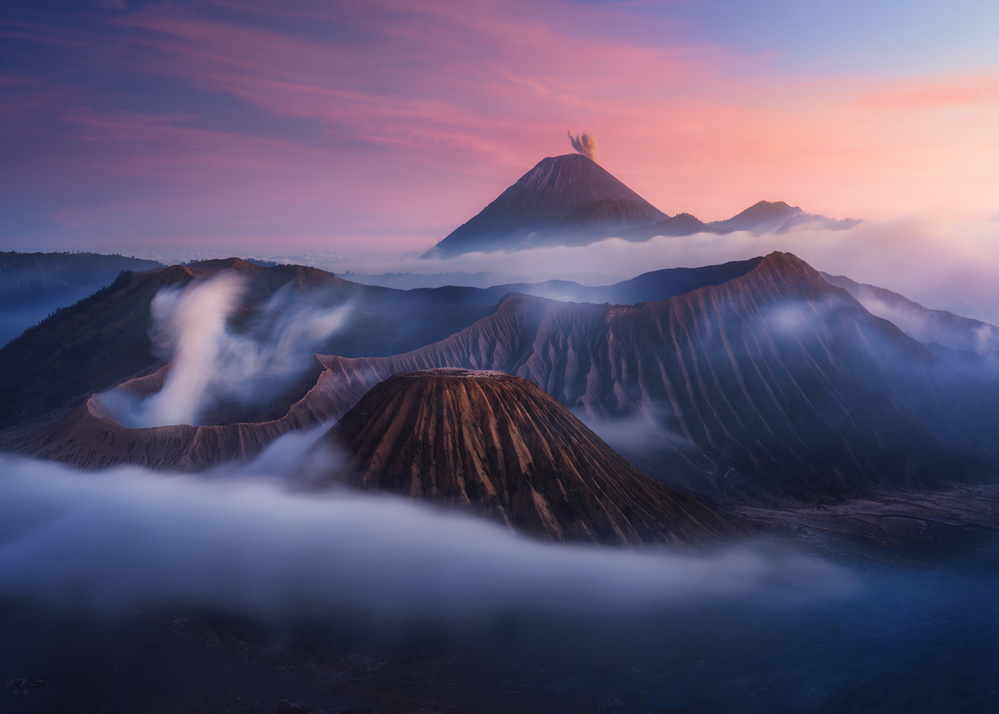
{"points": [[213, 365], [637, 433], [939, 263], [251, 586], [125, 539]]}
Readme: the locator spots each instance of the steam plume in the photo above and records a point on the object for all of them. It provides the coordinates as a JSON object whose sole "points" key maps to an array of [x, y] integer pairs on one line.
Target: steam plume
{"points": [[211, 365], [191, 324], [585, 144]]}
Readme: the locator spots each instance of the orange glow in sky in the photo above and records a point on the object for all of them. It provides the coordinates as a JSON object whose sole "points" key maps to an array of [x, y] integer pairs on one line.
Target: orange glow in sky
{"points": [[244, 123]]}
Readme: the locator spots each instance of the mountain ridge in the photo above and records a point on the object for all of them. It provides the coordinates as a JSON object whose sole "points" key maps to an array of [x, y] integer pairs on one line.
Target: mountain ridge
{"points": [[773, 385], [36, 285], [570, 200], [731, 400]]}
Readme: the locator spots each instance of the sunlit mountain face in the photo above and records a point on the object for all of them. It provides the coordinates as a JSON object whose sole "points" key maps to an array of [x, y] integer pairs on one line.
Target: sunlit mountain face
{"points": [[308, 403]]}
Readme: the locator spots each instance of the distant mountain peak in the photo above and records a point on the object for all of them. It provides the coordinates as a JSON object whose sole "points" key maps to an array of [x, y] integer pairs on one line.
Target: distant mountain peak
{"points": [[560, 200], [772, 206], [570, 200], [761, 217]]}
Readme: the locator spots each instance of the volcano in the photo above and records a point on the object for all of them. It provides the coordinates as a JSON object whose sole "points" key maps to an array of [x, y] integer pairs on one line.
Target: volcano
{"points": [[570, 200], [755, 381], [564, 200], [773, 385], [498, 445]]}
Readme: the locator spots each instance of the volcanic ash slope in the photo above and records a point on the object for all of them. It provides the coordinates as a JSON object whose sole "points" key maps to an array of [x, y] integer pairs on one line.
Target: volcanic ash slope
{"points": [[498, 445]]}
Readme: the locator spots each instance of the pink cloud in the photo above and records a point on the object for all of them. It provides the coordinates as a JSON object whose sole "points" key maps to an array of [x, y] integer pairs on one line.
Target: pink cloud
{"points": [[444, 104], [936, 93], [446, 73]]}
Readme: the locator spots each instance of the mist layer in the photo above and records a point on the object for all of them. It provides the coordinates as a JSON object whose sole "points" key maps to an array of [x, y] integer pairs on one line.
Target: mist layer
{"points": [[127, 538]]}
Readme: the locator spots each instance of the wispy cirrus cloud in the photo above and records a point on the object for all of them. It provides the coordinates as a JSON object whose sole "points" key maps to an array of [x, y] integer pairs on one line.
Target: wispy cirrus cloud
{"points": [[938, 92], [398, 121]]}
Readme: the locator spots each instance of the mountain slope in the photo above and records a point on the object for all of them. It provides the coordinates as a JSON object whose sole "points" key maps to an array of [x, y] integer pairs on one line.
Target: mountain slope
{"points": [[771, 385], [499, 446], [33, 285], [104, 340], [655, 285], [968, 345], [29, 278], [94, 344], [561, 199], [922, 323], [571, 201]]}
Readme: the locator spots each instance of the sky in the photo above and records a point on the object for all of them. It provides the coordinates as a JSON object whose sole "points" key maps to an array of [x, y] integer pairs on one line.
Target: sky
{"points": [[250, 126]]}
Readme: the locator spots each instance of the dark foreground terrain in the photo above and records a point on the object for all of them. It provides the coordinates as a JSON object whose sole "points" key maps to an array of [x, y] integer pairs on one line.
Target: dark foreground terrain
{"points": [[913, 629]]}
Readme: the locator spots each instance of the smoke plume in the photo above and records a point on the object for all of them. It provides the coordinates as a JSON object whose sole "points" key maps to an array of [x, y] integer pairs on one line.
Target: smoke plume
{"points": [[585, 144], [211, 364]]}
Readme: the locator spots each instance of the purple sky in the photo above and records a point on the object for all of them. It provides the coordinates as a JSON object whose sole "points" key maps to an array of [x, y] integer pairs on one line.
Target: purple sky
{"points": [[248, 126]]}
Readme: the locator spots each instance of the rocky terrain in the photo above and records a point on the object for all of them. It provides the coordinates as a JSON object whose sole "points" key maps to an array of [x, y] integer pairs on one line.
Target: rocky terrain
{"points": [[104, 339], [499, 446], [771, 386]]}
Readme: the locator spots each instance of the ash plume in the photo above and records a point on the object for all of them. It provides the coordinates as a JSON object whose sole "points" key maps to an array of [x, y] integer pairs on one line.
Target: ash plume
{"points": [[585, 144]]}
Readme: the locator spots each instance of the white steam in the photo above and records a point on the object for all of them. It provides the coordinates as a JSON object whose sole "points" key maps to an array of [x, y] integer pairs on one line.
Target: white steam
{"points": [[639, 431], [190, 324], [128, 538], [585, 144], [210, 364]]}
